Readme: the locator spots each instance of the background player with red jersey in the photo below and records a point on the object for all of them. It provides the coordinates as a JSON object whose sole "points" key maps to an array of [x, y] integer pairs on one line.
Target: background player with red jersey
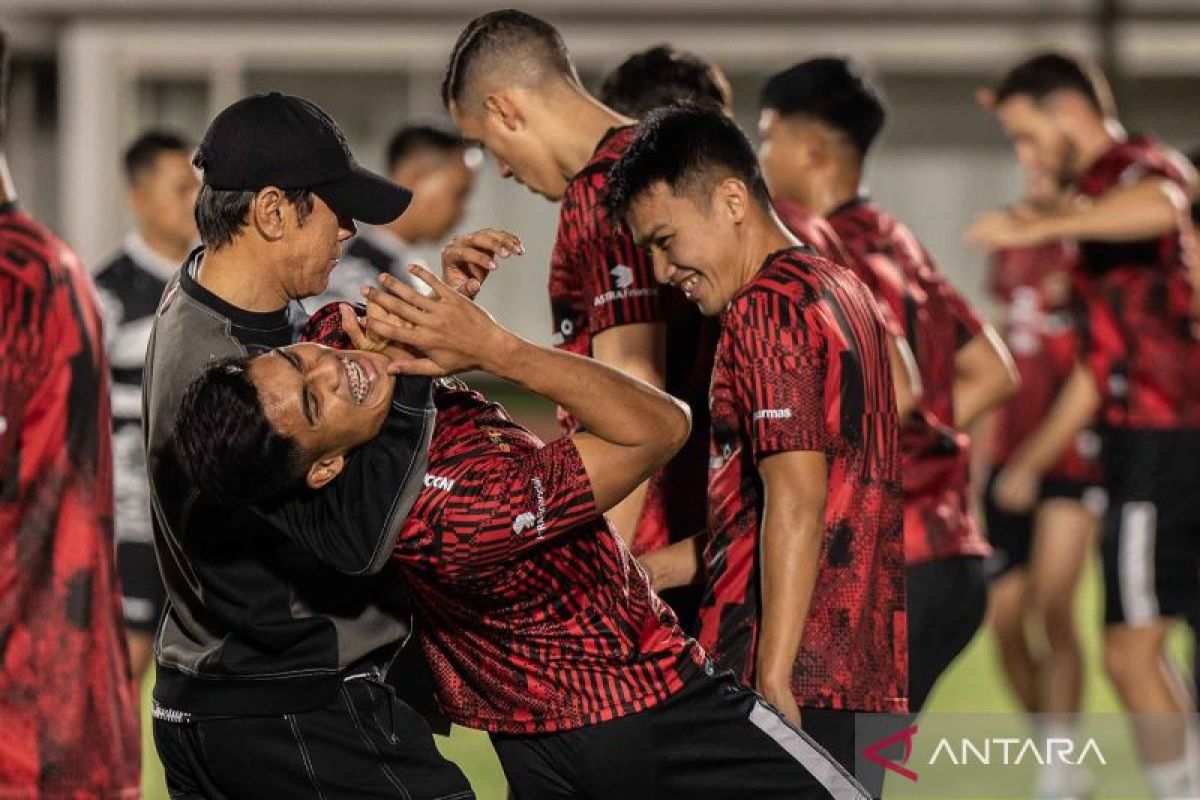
{"points": [[536, 620], [805, 582], [1038, 556], [1139, 372], [511, 86], [819, 120], [68, 707]]}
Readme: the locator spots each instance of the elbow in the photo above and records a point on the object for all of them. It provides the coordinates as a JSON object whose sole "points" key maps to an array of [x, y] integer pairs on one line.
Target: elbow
{"points": [[673, 429]]}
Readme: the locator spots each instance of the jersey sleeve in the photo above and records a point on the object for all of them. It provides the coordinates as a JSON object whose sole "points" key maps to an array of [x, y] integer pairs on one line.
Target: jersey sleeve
{"points": [[782, 365], [508, 504], [619, 287]]}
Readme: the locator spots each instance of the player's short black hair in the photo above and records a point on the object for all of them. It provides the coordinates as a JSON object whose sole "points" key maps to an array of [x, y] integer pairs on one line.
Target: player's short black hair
{"points": [[660, 76], [1046, 73], [226, 443], [414, 139], [831, 90], [141, 153], [508, 34], [690, 147]]}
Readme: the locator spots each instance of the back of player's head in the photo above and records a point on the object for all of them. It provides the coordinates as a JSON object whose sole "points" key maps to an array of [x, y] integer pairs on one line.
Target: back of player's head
{"points": [[1045, 74], [833, 91], [504, 48], [660, 76], [142, 152], [691, 148], [419, 140], [226, 443]]}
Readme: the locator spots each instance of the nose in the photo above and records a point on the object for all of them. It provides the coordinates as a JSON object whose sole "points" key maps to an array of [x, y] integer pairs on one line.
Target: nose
{"points": [[327, 370], [663, 268]]}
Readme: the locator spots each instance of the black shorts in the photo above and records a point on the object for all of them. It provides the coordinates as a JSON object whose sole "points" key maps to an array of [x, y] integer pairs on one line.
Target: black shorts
{"points": [[1011, 534], [365, 743], [142, 593], [713, 740], [947, 599], [1151, 544]]}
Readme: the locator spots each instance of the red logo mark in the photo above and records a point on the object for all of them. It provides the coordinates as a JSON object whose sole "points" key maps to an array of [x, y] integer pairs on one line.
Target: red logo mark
{"points": [[871, 753]]}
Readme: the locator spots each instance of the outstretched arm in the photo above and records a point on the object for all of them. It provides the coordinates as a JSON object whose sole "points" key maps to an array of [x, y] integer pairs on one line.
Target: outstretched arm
{"points": [[631, 428]]}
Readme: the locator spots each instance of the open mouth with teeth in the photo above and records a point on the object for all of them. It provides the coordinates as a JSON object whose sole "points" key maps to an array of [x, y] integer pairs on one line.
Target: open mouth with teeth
{"points": [[360, 378], [688, 285]]}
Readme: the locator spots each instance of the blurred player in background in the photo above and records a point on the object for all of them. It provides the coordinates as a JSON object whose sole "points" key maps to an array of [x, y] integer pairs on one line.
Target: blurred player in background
{"points": [[440, 168], [68, 705], [662, 75], [510, 85], [1139, 372], [161, 184], [804, 567], [819, 120], [1038, 556]]}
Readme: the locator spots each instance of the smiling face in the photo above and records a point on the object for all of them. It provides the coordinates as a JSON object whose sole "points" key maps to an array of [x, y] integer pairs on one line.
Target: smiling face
{"points": [[328, 401], [694, 243], [503, 126]]}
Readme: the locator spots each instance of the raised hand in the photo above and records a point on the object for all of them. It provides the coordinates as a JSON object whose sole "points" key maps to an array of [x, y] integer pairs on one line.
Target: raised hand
{"points": [[450, 333], [468, 259]]}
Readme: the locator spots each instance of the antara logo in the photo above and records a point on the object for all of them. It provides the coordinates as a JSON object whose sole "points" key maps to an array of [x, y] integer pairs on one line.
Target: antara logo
{"points": [[871, 753]]}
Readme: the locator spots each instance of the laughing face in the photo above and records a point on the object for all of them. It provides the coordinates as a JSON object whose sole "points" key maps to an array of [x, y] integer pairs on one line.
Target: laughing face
{"points": [[328, 401], [693, 242]]}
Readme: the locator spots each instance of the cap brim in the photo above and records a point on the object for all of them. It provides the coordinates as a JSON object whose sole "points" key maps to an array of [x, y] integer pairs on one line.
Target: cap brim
{"points": [[364, 196]]}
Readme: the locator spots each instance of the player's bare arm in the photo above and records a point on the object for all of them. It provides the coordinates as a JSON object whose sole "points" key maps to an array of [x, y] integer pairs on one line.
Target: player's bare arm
{"points": [[792, 529], [905, 376], [678, 564], [638, 350], [1077, 403], [984, 377], [631, 427], [1150, 207]]}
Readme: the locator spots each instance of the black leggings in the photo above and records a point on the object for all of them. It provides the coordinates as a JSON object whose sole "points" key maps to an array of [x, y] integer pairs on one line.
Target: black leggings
{"points": [[947, 599]]}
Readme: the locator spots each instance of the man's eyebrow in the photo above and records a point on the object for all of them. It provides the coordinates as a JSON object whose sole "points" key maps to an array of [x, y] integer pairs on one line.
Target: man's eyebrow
{"points": [[305, 404], [645, 241]]}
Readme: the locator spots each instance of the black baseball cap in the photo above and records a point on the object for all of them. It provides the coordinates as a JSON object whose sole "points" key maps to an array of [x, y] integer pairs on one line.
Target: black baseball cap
{"points": [[285, 141]]}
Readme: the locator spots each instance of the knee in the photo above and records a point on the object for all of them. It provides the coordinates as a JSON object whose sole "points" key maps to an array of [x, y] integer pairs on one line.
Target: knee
{"points": [[1126, 658], [1058, 618]]}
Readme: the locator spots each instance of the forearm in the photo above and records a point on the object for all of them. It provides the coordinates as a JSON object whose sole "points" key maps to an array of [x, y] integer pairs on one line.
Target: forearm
{"points": [[905, 376], [791, 552], [1145, 210], [607, 403], [678, 564], [985, 376], [1073, 411]]}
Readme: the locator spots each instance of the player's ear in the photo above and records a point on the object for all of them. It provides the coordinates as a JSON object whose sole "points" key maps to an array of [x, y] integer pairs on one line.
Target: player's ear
{"points": [[501, 107], [324, 470], [732, 198], [266, 212]]}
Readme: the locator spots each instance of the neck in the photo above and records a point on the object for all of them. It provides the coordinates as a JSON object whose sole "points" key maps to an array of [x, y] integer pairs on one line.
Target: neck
{"points": [[764, 235], [8, 191], [1095, 141], [234, 274], [838, 187], [584, 122], [168, 247]]}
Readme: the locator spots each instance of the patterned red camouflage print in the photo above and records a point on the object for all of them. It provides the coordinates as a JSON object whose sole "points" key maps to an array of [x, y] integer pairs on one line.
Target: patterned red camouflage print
{"points": [[531, 612], [1139, 338], [1033, 284], [802, 365], [68, 708], [812, 230], [938, 522], [600, 280]]}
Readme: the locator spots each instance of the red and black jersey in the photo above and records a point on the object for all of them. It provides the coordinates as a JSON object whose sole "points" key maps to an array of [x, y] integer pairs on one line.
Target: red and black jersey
{"points": [[532, 613], [1139, 338], [599, 280], [68, 707], [812, 230], [1033, 284], [936, 321], [803, 365]]}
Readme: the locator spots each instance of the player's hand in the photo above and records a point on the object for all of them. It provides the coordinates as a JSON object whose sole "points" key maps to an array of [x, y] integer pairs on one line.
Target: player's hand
{"points": [[779, 695], [467, 260], [449, 333], [1016, 488], [658, 568], [995, 229]]}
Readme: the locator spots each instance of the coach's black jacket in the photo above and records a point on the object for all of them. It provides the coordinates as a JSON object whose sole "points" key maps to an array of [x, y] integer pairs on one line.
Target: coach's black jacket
{"points": [[269, 609]]}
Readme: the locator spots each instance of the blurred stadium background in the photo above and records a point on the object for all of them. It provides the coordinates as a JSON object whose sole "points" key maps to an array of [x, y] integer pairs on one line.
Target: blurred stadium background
{"points": [[89, 75]]}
